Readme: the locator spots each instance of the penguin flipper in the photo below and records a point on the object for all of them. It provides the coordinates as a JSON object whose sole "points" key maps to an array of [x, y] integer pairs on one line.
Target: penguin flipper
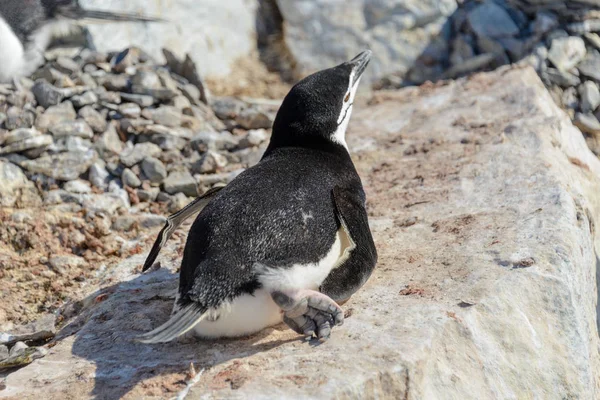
{"points": [[184, 320], [356, 268], [175, 220]]}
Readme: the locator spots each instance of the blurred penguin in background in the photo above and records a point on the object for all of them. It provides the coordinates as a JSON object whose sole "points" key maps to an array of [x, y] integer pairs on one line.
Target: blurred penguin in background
{"points": [[28, 27]]}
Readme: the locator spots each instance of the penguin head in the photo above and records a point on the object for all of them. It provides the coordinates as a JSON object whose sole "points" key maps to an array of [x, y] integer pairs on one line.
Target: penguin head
{"points": [[316, 111]]}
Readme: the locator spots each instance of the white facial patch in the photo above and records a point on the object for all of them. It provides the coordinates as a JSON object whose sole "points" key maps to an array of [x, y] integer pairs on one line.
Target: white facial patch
{"points": [[339, 136]]}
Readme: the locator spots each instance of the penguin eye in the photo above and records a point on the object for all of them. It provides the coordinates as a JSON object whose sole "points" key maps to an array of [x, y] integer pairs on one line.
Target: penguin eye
{"points": [[347, 97]]}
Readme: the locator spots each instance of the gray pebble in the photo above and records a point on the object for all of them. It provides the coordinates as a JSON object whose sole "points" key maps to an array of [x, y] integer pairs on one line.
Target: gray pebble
{"points": [[130, 179]]}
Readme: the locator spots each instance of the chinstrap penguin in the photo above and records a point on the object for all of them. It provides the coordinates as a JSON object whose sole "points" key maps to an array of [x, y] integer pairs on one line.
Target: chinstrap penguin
{"points": [[27, 28], [288, 238]]}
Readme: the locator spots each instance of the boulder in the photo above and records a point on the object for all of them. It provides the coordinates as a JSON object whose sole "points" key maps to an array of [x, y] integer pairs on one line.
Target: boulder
{"points": [[215, 47], [319, 34], [485, 286], [15, 188]]}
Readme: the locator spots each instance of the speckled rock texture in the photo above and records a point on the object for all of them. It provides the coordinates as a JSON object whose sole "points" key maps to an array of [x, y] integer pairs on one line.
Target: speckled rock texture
{"points": [[483, 199]]}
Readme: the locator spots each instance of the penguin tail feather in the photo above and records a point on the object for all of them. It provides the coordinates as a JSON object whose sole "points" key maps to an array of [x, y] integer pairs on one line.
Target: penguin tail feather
{"points": [[184, 320]]}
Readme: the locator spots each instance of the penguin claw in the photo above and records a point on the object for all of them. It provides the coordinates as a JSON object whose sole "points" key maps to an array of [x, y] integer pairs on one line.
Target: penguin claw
{"points": [[309, 313]]}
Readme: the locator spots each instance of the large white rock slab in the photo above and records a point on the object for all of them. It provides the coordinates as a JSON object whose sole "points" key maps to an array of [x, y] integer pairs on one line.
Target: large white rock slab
{"points": [[484, 202], [322, 33], [214, 32]]}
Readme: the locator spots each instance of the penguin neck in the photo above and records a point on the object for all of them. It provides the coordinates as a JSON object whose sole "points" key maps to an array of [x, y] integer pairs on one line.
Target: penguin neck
{"points": [[311, 142]]}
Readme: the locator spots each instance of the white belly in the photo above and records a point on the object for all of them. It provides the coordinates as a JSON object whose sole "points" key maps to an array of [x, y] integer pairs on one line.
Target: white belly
{"points": [[249, 314], [245, 315], [12, 54]]}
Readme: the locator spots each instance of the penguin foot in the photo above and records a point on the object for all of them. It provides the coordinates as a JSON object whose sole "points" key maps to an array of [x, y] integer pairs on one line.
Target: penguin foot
{"points": [[309, 312]]}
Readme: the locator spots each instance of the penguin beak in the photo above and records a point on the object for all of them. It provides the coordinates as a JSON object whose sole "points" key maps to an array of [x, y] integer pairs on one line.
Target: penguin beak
{"points": [[359, 64]]}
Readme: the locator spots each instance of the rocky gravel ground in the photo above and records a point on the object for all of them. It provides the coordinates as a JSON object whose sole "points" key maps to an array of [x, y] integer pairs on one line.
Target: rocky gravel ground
{"points": [[94, 150], [560, 39]]}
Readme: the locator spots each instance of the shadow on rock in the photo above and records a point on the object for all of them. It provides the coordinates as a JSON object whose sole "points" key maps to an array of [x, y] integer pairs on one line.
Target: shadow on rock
{"points": [[114, 316]]}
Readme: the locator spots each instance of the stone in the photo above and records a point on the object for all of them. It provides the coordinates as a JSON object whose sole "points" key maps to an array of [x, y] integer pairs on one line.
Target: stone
{"points": [[544, 22], [148, 194], [164, 115], [106, 203], [64, 166], [253, 138], [36, 142], [470, 65], [93, 118], [180, 102], [61, 264], [18, 349], [72, 128], [72, 143], [18, 135], [516, 48], [59, 196], [21, 356], [561, 78], [195, 90], [461, 50], [565, 53], [590, 66], [78, 186], [126, 59], [144, 221], [570, 99], [3, 353], [191, 92], [590, 96], [210, 162], [227, 107], [146, 79], [98, 175], [149, 221], [64, 112], [181, 181], [41, 329], [87, 99], [205, 113], [18, 118], [487, 45], [66, 65], [589, 25], [15, 188], [108, 97], [208, 180], [46, 94], [216, 141], [593, 39], [139, 99], [124, 223], [449, 320], [588, 123], [115, 83], [130, 110], [133, 155], [109, 143], [130, 179], [254, 118], [492, 21], [169, 142]]}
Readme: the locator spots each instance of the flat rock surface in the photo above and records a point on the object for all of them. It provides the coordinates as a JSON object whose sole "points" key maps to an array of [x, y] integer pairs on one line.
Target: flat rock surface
{"points": [[483, 199]]}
